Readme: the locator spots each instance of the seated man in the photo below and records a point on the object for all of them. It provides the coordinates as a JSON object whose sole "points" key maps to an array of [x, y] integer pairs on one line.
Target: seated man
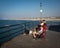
{"points": [[40, 32], [37, 33]]}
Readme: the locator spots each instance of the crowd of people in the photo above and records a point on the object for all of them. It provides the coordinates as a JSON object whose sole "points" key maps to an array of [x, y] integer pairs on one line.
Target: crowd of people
{"points": [[40, 30]]}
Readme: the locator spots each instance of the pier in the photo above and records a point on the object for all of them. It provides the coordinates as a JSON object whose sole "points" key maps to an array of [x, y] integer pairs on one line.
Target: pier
{"points": [[14, 37], [52, 40]]}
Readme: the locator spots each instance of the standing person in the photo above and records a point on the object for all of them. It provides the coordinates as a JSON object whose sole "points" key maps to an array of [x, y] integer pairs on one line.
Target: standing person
{"points": [[44, 28]]}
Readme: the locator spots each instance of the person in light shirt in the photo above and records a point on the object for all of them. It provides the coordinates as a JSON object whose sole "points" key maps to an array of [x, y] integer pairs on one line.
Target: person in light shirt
{"points": [[41, 30]]}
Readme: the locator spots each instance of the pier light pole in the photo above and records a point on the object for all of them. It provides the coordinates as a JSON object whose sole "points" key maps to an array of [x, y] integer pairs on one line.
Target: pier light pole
{"points": [[41, 10], [41, 14]]}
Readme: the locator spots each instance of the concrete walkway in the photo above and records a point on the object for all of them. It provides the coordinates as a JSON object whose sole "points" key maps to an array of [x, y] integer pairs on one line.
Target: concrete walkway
{"points": [[52, 40]]}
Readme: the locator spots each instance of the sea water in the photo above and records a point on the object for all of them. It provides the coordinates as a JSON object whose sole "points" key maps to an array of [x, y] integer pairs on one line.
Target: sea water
{"points": [[12, 22]]}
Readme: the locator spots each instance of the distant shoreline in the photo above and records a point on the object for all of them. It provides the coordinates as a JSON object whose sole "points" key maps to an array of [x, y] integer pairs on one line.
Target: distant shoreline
{"points": [[34, 19]]}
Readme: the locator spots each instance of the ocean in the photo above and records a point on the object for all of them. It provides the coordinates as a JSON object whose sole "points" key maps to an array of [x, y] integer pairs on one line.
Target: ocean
{"points": [[12, 22]]}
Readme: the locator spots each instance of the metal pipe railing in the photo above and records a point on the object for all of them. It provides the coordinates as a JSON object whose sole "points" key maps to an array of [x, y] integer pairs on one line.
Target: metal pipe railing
{"points": [[7, 32]]}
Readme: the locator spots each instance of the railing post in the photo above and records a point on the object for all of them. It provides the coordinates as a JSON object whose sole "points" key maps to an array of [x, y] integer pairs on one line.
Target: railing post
{"points": [[25, 27], [7, 27], [33, 24]]}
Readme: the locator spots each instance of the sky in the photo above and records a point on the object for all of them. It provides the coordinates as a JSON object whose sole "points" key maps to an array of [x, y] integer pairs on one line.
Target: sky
{"points": [[14, 9]]}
